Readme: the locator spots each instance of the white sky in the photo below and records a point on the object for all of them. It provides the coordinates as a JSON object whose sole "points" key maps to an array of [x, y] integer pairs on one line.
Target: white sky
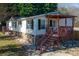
{"points": [[69, 5]]}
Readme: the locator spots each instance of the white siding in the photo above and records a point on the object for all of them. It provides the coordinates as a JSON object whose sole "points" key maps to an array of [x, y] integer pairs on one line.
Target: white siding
{"points": [[23, 28], [29, 31], [36, 30], [35, 26], [10, 25]]}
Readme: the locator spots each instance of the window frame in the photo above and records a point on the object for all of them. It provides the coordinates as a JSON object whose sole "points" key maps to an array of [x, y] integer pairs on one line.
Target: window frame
{"points": [[30, 24], [14, 24], [52, 23], [40, 25], [20, 23]]}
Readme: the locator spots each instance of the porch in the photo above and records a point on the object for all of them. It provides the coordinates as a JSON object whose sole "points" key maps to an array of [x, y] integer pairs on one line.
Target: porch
{"points": [[63, 30]]}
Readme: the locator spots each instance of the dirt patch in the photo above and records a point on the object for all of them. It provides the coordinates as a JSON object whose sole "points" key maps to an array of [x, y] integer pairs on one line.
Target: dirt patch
{"points": [[66, 52], [56, 54]]}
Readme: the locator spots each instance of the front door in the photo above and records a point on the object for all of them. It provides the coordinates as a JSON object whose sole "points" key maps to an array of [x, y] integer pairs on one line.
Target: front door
{"points": [[52, 25]]}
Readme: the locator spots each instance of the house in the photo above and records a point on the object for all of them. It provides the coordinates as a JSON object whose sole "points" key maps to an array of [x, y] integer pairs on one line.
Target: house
{"points": [[43, 27]]}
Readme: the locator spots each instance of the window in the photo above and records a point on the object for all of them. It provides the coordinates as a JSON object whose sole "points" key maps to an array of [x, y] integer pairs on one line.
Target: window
{"points": [[41, 24], [30, 24], [52, 23], [19, 23], [14, 24]]}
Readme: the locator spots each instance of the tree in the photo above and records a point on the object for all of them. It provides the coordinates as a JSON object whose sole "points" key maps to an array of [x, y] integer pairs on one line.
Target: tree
{"points": [[8, 10], [25, 9], [35, 9]]}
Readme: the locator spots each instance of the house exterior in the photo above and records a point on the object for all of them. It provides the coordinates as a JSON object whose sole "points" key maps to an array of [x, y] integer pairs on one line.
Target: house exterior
{"points": [[35, 25], [27, 24], [38, 25]]}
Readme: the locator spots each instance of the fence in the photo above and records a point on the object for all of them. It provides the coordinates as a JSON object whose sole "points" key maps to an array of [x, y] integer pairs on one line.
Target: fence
{"points": [[76, 33]]}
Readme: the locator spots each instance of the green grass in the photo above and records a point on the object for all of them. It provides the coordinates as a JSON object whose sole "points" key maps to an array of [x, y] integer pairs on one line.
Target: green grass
{"points": [[1, 33], [9, 47]]}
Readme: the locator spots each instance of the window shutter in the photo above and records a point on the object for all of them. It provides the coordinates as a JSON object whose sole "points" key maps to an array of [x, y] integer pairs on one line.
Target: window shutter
{"points": [[32, 24], [39, 22]]}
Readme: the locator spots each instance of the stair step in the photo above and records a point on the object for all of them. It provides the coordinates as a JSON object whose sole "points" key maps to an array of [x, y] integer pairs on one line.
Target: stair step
{"points": [[46, 40]]}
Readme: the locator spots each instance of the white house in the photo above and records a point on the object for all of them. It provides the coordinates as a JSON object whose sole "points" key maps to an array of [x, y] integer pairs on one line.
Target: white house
{"points": [[35, 25], [38, 25], [28, 24]]}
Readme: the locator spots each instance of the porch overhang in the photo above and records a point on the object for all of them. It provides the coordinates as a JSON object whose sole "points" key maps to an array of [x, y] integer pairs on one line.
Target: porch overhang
{"points": [[60, 16]]}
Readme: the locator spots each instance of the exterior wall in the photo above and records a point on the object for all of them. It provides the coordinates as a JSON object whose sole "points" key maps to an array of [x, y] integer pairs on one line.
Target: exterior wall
{"points": [[36, 30], [23, 27], [29, 31], [10, 25]]}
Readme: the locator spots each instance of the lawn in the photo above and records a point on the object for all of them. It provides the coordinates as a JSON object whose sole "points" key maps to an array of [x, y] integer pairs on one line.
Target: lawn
{"points": [[9, 47]]}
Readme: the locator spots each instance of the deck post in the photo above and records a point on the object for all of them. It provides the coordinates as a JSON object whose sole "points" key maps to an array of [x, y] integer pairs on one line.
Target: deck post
{"points": [[72, 29], [58, 38], [65, 22], [35, 31], [34, 44], [47, 24], [58, 24]]}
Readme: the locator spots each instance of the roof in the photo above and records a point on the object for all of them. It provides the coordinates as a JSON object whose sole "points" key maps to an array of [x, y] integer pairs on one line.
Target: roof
{"points": [[59, 15], [50, 14]]}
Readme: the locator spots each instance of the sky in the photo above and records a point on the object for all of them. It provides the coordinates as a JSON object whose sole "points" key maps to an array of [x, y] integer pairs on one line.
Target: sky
{"points": [[67, 5]]}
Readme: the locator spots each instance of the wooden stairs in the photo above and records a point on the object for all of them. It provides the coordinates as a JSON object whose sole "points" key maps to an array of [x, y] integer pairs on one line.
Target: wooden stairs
{"points": [[46, 41], [53, 39]]}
